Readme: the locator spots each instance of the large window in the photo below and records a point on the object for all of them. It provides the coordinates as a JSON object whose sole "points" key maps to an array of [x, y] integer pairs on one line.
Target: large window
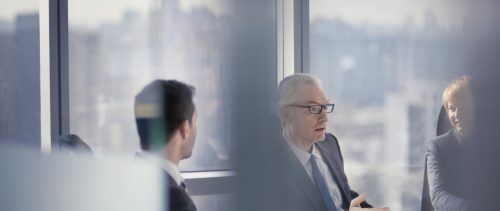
{"points": [[20, 73], [384, 63], [116, 47]]}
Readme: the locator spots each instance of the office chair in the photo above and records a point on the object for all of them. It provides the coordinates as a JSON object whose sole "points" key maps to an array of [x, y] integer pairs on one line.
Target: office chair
{"points": [[73, 144]]}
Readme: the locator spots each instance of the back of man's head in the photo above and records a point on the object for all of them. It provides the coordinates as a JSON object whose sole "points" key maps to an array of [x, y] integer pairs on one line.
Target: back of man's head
{"points": [[160, 108]]}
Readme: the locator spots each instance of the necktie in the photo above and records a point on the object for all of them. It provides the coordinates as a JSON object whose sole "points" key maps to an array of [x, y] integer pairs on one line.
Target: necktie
{"points": [[183, 185], [321, 185]]}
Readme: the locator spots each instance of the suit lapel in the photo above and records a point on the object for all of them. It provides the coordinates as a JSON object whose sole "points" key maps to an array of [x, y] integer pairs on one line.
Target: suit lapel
{"points": [[309, 189], [303, 180]]}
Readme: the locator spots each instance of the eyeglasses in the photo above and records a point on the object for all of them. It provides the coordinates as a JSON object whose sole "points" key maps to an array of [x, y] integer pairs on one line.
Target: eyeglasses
{"points": [[316, 109]]}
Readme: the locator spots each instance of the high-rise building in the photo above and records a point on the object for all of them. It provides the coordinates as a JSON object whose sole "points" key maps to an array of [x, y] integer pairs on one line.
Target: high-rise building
{"points": [[7, 88], [26, 66]]}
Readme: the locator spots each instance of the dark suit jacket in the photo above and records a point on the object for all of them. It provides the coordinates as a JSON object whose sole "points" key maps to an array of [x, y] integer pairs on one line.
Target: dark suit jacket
{"points": [[305, 195], [178, 200], [447, 172]]}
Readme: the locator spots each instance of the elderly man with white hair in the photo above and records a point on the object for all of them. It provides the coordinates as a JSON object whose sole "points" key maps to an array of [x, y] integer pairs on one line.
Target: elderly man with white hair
{"points": [[302, 110]]}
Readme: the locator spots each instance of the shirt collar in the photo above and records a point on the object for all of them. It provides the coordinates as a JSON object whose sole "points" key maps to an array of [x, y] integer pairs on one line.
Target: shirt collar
{"points": [[316, 152], [166, 164], [302, 155], [172, 170]]}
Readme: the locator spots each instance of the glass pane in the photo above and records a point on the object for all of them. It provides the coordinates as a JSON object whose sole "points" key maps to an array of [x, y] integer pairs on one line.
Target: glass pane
{"points": [[19, 73], [384, 64], [123, 46]]}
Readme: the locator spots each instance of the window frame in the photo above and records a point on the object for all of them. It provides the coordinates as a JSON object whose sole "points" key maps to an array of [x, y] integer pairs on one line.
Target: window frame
{"points": [[292, 34], [54, 73]]}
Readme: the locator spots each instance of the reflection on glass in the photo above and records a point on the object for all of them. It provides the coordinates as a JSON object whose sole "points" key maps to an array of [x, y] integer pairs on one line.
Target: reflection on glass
{"points": [[19, 73], [385, 69], [127, 44]]}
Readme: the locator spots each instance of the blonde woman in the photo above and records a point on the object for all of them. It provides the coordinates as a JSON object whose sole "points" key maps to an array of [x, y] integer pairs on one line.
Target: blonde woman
{"points": [[446, 154]]}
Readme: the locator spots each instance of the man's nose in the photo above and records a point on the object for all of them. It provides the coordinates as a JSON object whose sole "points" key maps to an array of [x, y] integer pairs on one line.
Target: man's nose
{"points": [[323, 116]]}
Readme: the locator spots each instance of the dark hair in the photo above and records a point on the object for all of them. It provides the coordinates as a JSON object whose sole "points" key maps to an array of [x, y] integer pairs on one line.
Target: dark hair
{"points": [[160, 108]]}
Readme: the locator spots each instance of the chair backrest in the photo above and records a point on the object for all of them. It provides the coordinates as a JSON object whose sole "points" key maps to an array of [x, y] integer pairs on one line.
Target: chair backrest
{"points": [[73, 144], [443, 126]]}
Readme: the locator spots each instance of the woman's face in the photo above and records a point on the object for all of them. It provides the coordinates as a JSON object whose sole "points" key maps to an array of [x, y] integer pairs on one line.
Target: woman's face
{"points": [[460, 112]]}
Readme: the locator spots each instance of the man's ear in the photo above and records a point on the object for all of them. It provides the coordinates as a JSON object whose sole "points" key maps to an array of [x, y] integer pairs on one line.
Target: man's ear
{"points": [[184, 129], [283, 114]]}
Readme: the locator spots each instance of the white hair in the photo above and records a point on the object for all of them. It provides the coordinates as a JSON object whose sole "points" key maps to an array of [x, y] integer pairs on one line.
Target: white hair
{"points": [[287, 88]]}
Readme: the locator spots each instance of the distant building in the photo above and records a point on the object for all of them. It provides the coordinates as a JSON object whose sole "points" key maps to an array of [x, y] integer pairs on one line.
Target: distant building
{"points": [[26, 75], [7, 88]]}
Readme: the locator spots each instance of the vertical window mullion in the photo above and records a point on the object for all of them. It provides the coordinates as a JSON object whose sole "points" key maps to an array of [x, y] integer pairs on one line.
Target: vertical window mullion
{"points": [[53, 71]]}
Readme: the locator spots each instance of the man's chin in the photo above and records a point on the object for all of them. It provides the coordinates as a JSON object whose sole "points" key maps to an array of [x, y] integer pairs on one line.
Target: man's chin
{"points": [[187, 156], [320, 138]]}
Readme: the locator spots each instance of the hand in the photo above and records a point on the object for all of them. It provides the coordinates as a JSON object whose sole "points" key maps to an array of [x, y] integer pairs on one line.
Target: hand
{"points": [[355, 205]]}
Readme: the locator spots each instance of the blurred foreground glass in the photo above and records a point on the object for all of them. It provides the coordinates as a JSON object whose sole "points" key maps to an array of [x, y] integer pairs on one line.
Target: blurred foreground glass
{"points": [[59, 182]]}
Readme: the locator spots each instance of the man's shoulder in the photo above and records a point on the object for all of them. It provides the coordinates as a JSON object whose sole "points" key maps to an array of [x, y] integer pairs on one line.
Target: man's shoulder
{"points": [[175, 191], [330, 147], [170, 180], [330, 137], [330, 141], [179, 199]]}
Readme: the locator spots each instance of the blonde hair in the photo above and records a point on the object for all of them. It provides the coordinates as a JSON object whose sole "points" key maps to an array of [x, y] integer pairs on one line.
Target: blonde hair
{"points": [[287, 87], [457, 88]]}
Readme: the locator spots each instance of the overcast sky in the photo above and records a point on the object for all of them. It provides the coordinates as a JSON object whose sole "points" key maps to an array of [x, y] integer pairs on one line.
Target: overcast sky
{"points": [[381, 12], [385, 12], [94, 12]]}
